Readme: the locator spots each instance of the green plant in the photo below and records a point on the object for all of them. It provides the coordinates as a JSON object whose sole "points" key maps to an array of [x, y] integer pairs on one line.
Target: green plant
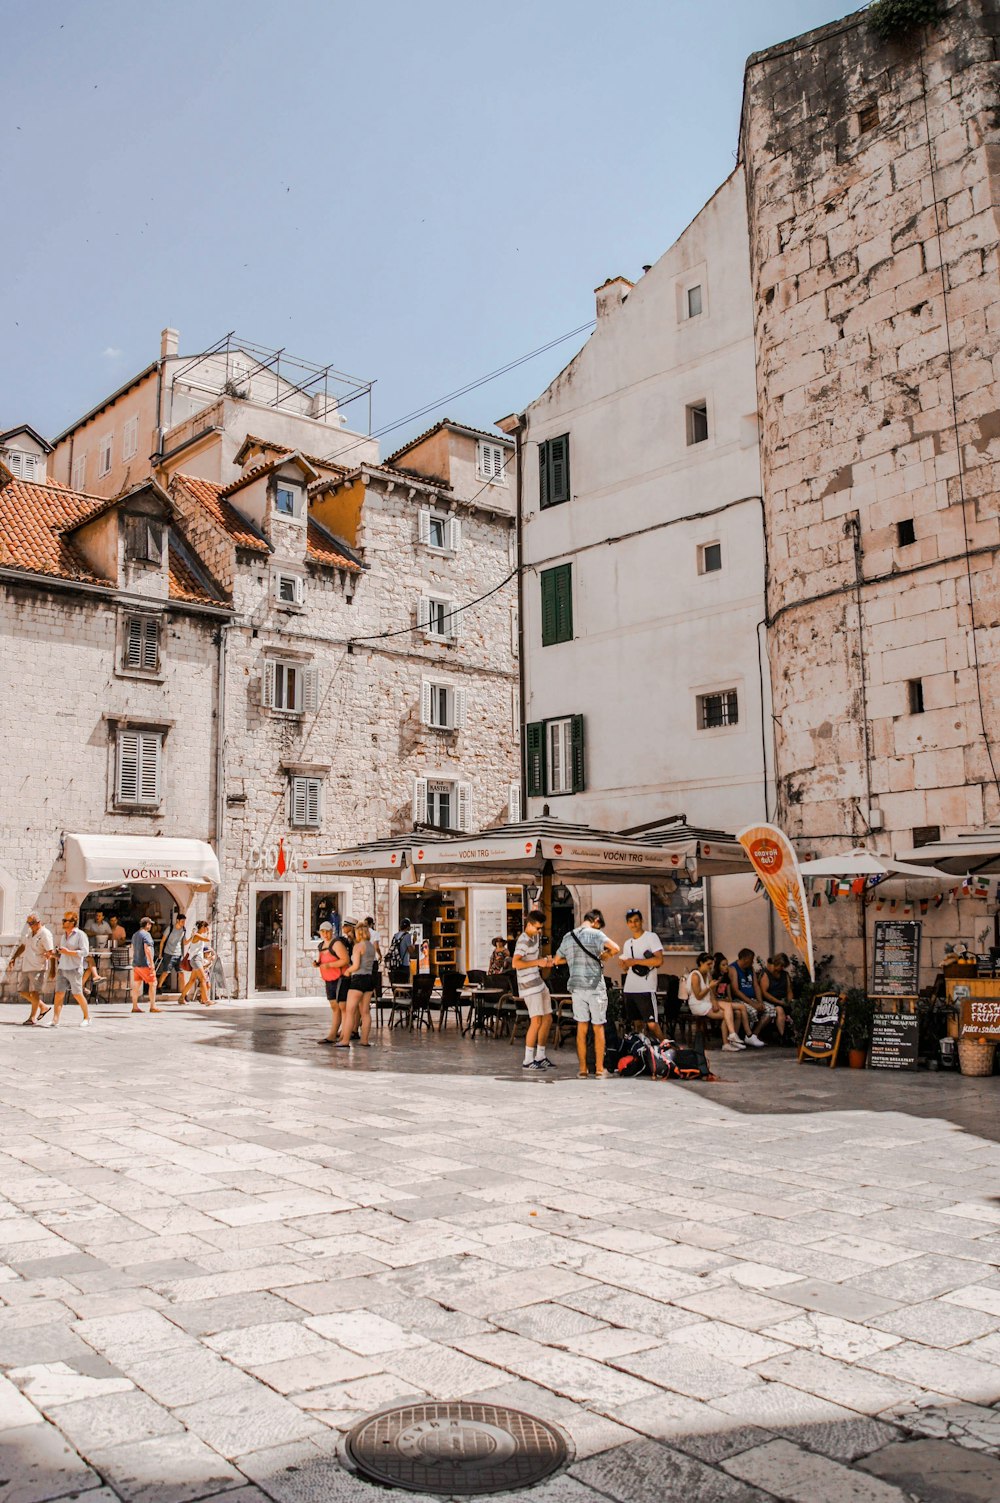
{"points": [[893, 18], [859, 1018]]}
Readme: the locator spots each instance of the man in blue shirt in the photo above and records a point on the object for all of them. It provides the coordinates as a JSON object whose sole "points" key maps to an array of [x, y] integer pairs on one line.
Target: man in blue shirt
{"points": [[585, 950]]}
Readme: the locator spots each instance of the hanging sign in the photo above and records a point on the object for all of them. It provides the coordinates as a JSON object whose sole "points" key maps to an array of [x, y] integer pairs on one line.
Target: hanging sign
{"points": [[773, 859]]}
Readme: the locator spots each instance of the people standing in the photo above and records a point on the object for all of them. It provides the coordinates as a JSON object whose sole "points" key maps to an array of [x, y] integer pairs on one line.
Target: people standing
{"points": [[118, 935], [400, 954], [171, 948], [143, 965], [376, 940], [98, 930], [528, 965], [746, 989], [640, 959], [585, 950], [359, 976], [198, 953], [37, 947], [71, 952], [332, 960]]}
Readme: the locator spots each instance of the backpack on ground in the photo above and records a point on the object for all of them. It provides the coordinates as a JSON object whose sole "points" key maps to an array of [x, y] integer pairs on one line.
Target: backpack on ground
{"points": [[634, 1055], [686, 1064]]}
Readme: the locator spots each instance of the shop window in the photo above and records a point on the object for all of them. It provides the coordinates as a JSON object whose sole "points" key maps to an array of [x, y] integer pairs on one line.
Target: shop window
{"points": [[324, 907], [141, 647], [138, 768], [553, 471], [442, 706], [292, 688], [491, 463], [696, 417], [716, 711], [677, 914], [304, 802], [554, 756], [710, 558]]}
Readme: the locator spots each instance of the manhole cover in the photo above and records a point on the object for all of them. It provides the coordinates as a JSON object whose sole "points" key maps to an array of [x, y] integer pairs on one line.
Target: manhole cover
{"points": [[455, 1448]]}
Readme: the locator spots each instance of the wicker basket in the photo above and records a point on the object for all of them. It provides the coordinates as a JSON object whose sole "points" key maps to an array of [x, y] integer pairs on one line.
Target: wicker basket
{"points": [[976, 1056]]}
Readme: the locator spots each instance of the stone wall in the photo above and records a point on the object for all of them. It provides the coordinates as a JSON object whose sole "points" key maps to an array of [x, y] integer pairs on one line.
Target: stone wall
{"points": [[872, 184]]}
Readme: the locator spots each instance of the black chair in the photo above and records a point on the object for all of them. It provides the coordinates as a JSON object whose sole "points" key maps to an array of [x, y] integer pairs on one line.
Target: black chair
{"points": [[668, 998], [452, 983], [401, 1006], [420, 1002]]}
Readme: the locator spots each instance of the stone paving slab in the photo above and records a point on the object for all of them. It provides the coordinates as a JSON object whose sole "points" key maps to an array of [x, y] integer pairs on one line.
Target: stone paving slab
{"points": [[218, 1255]]}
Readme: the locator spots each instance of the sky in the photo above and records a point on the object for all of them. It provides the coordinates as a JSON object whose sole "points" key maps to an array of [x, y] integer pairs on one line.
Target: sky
{"points": [[418, 193]]}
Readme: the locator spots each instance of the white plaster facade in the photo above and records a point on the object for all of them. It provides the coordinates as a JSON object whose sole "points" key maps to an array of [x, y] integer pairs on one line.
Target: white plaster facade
{"points": [[655, 627]]}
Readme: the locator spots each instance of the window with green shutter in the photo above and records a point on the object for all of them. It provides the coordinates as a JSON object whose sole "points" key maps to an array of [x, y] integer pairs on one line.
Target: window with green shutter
{"points": [[553, 471], [557, 604], [534, 759]]}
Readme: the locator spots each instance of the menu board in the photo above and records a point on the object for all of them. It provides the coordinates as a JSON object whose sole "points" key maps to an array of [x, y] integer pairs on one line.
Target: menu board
{"points": [[821, 1039], [896, 969], [895, 1039]]}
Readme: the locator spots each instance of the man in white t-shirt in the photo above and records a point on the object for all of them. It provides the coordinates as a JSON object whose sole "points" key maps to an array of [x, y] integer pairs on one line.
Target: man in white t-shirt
{"points": [[36, 947], [528, 965], [641, 958]]}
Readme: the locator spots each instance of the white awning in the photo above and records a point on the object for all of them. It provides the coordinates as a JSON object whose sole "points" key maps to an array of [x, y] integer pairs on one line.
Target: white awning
{"points": [[109, 860]]}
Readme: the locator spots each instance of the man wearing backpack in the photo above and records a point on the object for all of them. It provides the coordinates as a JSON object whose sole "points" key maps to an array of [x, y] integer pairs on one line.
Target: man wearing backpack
{"points": [[585, 950], [397, 962]]}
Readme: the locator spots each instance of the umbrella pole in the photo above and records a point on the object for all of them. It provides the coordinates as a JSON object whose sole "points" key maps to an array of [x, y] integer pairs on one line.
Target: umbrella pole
{"points": [[547, 898], [864, 941]]}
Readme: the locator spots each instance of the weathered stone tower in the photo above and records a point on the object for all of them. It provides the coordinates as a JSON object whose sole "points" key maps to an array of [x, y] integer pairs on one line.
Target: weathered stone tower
{"points": [[873, 182]]}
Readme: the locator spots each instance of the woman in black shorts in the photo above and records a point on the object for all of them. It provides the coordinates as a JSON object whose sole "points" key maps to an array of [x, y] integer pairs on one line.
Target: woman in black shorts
{"points": [[333, 959], [360, 981]]}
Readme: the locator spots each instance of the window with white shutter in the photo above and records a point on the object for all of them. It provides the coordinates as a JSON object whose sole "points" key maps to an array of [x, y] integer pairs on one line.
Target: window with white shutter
{"points": [[437, 618], [419, 801], [513, 803], [305, 802], [130, 438], [141, 643], [104, 454], [289, 687], [492, 463], [289, 589], [454, 534], [138, 768], [464, 801], [79, 472], [423, 526], [460, 699], [310, 689]]}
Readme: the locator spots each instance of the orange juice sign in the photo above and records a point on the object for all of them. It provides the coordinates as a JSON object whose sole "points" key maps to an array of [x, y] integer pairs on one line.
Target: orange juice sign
{"points": [[773, 859]]}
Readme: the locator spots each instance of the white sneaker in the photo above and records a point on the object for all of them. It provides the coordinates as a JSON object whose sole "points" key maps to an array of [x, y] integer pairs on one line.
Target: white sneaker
{"points": [[735, 1041], [755, 1042], [732, 1048], [85, 1023]]}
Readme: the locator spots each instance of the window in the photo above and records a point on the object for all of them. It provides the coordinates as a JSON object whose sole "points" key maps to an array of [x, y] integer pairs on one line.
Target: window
{"points": [[905, 533], [104, 454], [290, 687], [710, 558], [442, 706], [438, 530], [915, 695], [324, 907], [139, 758], [717, 710], [868, 116], [926, 835], [21, 465], [553, 471], [492, 463], [288, 500], [141, 643], [677, 913], [438, 618], [304, 802], [130, 438], [290, 589], [513, 803], [79, 472], [693, 302], [557, 604], [554, 756], [697, 422], [143, 541], [445, 804]]}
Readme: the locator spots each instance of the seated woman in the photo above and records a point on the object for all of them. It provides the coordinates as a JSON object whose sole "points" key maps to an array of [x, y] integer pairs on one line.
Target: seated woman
{"points": [[776, 992], [704, 1001], [499, 958]]}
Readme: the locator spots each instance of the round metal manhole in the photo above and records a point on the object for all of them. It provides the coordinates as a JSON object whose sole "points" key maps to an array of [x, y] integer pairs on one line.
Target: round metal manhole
{"points": [[455, 1448]]}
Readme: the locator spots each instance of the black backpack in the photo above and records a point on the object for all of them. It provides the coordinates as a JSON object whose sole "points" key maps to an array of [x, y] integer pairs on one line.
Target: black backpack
{"points": [[634, 1055]]}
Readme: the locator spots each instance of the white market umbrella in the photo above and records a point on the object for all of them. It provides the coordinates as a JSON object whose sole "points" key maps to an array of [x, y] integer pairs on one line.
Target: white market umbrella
{"points": [[850, 865], [974, 854]]}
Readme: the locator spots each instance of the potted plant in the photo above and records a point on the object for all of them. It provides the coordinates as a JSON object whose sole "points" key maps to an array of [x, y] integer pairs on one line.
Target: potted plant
{"points": [[859, 1017]]}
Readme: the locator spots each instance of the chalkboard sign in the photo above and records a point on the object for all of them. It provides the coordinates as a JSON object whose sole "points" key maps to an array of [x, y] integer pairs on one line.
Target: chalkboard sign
{"points": [[821, 1039], [896, 969], [895, 1036], [978, 1005]]}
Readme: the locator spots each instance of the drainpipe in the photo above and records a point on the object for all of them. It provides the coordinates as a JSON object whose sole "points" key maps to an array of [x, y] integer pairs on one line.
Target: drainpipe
{"points": [[220, 785], [522, 691]]}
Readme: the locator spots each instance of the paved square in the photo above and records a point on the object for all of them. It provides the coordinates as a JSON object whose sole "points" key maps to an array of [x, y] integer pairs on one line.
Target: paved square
{"points": [[221, 1247]]}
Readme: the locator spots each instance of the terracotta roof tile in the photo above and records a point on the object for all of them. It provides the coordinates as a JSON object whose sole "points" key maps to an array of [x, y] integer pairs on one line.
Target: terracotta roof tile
{"points": [[323, 548], [242, 531]]}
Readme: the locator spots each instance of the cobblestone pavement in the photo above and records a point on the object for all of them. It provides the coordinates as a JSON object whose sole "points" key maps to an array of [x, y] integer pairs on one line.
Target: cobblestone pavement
{"points": [[220, 1246]]}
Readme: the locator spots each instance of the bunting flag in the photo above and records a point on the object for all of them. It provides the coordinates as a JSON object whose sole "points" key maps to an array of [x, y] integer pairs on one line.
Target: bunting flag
{"points": [[857, 887], [924, 904], [938, 899], [773, 859], [817, 900], [879, 905]]}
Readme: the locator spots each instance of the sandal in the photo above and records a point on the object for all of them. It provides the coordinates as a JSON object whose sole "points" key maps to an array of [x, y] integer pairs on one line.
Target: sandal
{"points": [[583, 1075]]}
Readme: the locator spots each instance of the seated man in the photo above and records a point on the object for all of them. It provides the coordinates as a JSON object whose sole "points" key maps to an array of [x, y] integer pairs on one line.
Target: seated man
{"points": [[775, 993], [745, 988]]}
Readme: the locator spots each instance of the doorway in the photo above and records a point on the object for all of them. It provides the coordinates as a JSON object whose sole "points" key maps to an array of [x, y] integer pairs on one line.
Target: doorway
{"points": [[271, 939]]}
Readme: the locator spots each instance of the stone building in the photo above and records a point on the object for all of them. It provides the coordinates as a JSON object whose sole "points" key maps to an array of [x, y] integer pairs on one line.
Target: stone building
{"points": [[643, 575], [872, 178], [361, 668]]}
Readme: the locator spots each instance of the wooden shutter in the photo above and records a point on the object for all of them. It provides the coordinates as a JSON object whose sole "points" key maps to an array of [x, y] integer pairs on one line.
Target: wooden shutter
{"points": [[425, 702], [464, 801], [150, 746], [557, 604], [543, 475], [452, 621], [534, 759], [423, 525], [454, 534], [460, 702], [127, 782], [133, 641], [513, 803], [310, 689], [419, 801], [559, 469], [424, 613], [267, 684], [150, 642], [312, 802], [576, 752], [300, 800]]}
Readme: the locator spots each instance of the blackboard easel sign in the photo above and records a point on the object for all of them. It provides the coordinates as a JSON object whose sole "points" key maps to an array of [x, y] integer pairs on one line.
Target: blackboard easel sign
{"points": [[895, 1040], [896, 962], [821, 1039]]}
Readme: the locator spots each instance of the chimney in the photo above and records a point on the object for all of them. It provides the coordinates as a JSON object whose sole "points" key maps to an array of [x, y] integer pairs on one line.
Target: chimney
{"points": [[611, 294], [169, 340]]}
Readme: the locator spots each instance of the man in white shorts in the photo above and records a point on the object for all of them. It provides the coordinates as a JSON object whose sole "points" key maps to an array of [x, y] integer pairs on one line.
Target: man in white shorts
{"points": [[36, 947], [529, 963], [585, 950]]}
